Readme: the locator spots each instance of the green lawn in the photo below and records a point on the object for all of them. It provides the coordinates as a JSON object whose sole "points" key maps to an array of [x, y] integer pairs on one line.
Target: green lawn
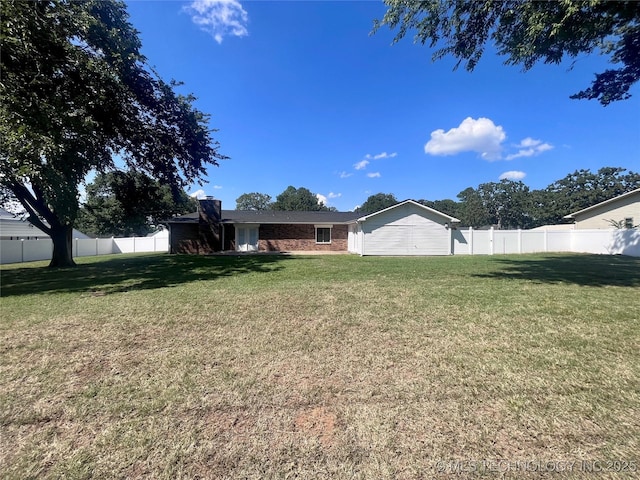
{"points": [[158, 366]]}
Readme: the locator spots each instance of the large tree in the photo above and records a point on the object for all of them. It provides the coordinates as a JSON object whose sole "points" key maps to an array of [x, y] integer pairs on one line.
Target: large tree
{"points": [[77, 93], [472, 210], [508, 203], [129, 204], [300, 199], [253, 201], [527, 32], [377, 202]]}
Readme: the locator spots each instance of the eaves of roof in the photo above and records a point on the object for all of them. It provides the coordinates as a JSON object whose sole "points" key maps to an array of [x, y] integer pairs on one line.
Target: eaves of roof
{"points": [[411, 202], [275, 217], [606, 202]]}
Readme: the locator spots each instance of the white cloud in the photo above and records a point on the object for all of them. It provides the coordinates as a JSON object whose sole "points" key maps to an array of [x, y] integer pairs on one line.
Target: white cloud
{"points": [[528, 142], [361, 164], [345, 174], [380, 156], [529, 148], [374, 175], [217, 187], [513, 175], [481, 136], [220, 18], [324, 199], [198, 194]]}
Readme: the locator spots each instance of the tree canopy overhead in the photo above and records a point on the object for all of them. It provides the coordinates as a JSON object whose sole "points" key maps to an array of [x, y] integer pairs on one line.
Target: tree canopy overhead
{"points": [[527, 32], [76, 92]]}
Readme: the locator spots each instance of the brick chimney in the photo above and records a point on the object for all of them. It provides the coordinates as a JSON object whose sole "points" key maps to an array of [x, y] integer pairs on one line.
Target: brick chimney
{"points": [[210, 228], [210, 210]]}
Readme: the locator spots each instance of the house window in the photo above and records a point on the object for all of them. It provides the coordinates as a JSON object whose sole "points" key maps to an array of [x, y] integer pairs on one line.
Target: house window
{"points": [[323, 234], [628, 222]]}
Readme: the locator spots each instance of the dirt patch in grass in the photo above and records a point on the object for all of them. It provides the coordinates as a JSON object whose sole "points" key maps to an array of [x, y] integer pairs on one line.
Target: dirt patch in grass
{"points": [[317, 422]]}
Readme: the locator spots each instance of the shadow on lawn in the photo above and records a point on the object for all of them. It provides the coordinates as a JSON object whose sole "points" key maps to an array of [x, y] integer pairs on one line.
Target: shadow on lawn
{"points": [[587, 270], [121, 274]]}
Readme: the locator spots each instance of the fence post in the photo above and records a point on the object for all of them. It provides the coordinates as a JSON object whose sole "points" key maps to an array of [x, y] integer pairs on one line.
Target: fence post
{"points": [[519, 240], [22, 250], [470, 240], [491, 241], [76, 248], [546, 241]]}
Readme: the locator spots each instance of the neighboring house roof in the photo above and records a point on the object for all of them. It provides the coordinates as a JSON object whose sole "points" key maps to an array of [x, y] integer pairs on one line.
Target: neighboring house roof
{"points": [[411, 202], [13, 226], [162, 233], [5, 214], [275, 217], [602, 204], [556, 227]]}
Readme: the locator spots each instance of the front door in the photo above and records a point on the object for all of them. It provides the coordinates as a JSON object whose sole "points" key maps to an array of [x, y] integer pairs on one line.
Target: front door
{"points": [[246, 238]]}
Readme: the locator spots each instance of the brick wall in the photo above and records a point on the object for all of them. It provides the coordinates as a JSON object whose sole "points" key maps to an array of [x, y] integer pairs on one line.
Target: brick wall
{"points": [[185, 238], [202, 239], [287, 238]]}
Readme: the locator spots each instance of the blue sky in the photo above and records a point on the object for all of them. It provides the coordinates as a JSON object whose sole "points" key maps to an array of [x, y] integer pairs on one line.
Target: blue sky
{"points": [[303, 95]]}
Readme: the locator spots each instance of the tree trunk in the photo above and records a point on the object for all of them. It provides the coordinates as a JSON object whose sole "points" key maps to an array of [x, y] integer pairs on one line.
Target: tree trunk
{"points": [[61, 236]]}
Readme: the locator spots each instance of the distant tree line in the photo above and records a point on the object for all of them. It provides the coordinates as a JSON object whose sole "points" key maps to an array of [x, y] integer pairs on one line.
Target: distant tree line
{"points": [[131, 203], [509, 204], [506, 204]]}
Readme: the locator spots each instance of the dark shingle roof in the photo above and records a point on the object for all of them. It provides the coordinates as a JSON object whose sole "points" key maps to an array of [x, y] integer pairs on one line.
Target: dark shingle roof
{"points": [[272, 216]]}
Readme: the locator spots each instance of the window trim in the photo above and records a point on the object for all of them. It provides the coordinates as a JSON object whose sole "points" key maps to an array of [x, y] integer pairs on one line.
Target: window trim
{"points": [[324, 227]]}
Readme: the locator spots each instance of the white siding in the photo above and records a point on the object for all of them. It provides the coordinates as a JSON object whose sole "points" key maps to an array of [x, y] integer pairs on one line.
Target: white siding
{"points": [[17, 229], [354, 243], [406, 230], [617, 210]]}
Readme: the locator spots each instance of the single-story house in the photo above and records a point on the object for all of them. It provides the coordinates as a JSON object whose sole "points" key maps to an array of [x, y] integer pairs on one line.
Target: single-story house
{"points": [[212, 229], [624, 210], [407, 228]]}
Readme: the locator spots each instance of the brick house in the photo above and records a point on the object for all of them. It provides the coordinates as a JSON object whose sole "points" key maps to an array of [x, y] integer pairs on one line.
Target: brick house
{"points": [[212, 229]]}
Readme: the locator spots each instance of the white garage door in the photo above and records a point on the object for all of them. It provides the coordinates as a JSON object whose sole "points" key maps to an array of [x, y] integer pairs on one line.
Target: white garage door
{"points": [[407, 240]]}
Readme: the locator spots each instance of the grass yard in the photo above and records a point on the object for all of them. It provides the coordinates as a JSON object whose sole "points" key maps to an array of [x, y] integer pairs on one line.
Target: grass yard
{"points": [[158, 366]]}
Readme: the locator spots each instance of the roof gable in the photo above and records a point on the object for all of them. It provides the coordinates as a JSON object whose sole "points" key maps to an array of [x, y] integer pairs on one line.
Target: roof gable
{"points": [[606, 202], [410, 202]]}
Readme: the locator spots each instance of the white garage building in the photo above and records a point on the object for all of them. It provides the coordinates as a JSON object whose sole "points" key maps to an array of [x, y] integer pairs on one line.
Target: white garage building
{"points": [[407, 228]]}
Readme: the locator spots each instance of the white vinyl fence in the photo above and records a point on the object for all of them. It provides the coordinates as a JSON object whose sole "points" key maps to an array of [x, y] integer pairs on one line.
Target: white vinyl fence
{"points": [[16, 251], [465, 242], [495, 242]]}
